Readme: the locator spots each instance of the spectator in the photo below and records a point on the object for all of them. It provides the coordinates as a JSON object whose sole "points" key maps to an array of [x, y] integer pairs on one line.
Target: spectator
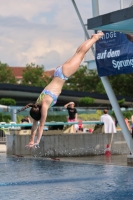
{"points": [[132, 120], [78, 127], [109, 125], [116, 122], [75, 128], [127, 123], [26, 119], [71, 111]]}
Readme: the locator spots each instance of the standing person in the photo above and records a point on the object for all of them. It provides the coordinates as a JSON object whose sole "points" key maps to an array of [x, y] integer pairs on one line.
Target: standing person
{"points": [[72, 111], [109, 124], [132, 126], [49, 95], [127, 123]]}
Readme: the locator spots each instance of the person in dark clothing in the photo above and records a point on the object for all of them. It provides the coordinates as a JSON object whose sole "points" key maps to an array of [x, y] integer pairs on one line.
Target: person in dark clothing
{"points": [[26, 120], [71, 111]]}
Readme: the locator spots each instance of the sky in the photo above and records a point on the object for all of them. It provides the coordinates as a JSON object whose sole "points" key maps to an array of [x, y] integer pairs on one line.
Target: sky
{"points": [[44, 32]]}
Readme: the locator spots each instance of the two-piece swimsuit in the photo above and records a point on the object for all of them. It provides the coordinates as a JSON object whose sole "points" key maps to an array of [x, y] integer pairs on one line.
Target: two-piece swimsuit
{"points": [[58, 73]]}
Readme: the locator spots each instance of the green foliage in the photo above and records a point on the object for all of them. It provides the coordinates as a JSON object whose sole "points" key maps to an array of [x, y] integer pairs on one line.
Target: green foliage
{"points": [[100, 88], [56, 118], [19, 117], [6, 75], [88, 81], [83, 80], [126, 114], [7, 101], [85, 101], [34, 75], [121, 102], [91, 117], [122, 84], [5, 118]]}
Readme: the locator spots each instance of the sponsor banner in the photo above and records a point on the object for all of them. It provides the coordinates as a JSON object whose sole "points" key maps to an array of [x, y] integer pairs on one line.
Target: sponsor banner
{"points": [[114, 54]]}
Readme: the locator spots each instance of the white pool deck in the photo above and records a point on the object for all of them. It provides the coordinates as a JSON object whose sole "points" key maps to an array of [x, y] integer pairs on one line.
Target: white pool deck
{"points": [[2, 148]]}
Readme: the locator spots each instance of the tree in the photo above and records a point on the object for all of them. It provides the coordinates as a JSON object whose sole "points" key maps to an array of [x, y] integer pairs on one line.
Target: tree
{"points": [[122, 84], [5, 118], [83, 80], [86, 101], [6, 75], [7, 101], [75, 82], [34, 75], [121, 102]]}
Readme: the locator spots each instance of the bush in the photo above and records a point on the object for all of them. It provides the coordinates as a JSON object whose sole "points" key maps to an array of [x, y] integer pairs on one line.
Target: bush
{"points": [[56, 118], [91, 117], [126, 114], [86, 101], [7, 101], [5, 118], [19, 117]]}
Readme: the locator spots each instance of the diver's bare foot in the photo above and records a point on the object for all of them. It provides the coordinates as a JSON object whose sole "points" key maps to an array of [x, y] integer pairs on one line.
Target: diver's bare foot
{"points": [[98, 35]]}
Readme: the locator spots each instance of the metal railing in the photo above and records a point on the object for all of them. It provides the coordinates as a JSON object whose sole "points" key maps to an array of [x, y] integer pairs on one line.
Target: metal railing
{"points": [[49, 124], [4, 129]]}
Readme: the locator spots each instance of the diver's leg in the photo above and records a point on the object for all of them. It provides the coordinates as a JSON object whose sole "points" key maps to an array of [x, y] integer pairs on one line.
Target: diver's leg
{"points": [[71, 66]]}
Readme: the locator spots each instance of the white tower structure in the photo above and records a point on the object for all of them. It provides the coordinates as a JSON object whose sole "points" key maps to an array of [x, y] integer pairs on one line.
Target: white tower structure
{"points": [[105, 81]]}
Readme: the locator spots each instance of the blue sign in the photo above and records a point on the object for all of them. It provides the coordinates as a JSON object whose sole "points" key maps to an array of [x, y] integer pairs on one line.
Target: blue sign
{"points": [[114, 54]]}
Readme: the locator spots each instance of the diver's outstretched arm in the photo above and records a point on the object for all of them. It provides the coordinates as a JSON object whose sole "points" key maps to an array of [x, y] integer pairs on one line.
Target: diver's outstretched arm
{"points": [[44, 111], [33, 133], [39, 130]]}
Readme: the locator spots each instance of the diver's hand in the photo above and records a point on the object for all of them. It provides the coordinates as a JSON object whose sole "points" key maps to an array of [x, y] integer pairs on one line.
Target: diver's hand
{"points": [[32, 145]]}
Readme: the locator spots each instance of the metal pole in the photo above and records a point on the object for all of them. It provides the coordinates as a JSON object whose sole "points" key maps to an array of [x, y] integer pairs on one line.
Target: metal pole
{"points": [[13, 115], [131, 4], [111, 95], [117, 111], [82, 24], [121, 4], [95, 8]]}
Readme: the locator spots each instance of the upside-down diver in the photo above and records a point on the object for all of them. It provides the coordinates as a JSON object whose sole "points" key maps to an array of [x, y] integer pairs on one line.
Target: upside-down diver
{"points": [[49, 95]]}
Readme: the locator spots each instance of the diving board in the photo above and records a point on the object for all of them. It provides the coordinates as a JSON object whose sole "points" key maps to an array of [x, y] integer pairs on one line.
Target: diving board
{"points": [[120, 20]]}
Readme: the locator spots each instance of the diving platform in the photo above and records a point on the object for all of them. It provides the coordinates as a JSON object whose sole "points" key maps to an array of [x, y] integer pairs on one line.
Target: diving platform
{"points": [[120, 20]]}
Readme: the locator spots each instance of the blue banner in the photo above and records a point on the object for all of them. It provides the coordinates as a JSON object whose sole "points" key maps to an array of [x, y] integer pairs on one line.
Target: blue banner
{"points": [[114, 54]]}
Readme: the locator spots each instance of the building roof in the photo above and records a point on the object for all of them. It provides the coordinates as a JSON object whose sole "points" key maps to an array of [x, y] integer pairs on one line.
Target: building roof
{"points": [[17, 71]]}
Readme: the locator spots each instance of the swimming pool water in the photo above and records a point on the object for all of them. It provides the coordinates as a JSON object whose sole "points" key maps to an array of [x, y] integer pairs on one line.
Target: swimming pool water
{"points": [[33, 178]]}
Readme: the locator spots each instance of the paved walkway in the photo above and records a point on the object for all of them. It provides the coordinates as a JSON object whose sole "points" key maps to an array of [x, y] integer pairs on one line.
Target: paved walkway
{"points": [[120, 160], [2, 148]]}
